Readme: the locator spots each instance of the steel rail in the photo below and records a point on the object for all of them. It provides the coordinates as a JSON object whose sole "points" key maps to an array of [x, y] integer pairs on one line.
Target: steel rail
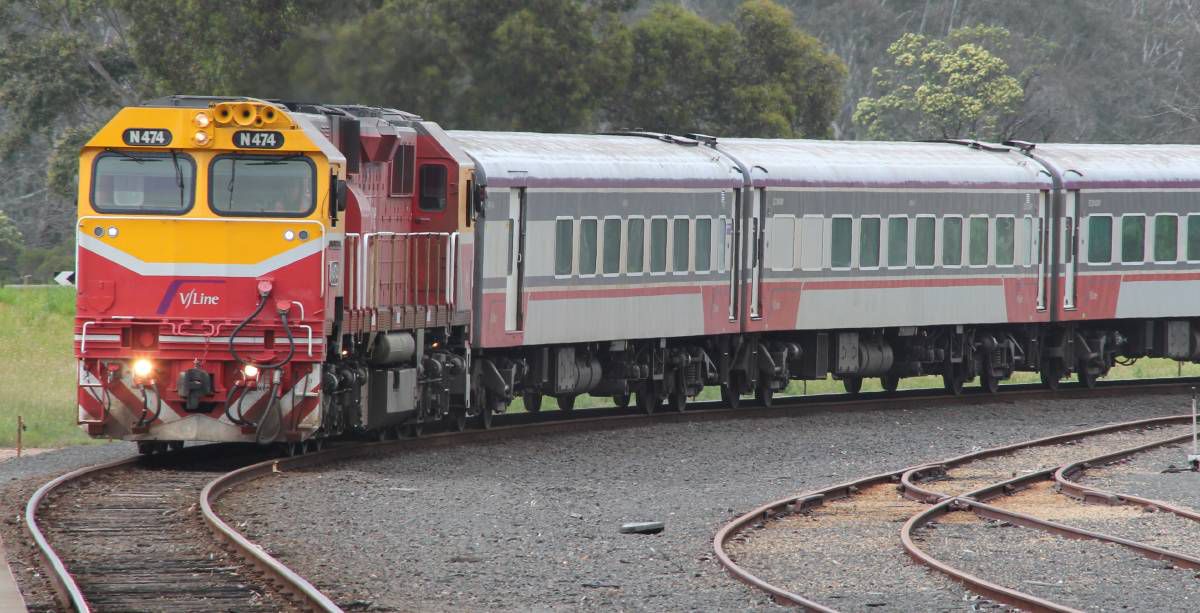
{"points": [[1066, 475], [975, 501], [67, 589], [64, 584], [816, 498]]}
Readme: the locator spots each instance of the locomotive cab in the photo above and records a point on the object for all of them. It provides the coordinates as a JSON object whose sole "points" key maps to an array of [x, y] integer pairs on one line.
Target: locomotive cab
{"points": [[202, 239]]}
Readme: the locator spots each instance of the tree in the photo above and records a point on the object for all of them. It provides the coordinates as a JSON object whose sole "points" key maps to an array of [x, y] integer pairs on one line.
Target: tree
{"points": [[11, 244], [941, 88]]}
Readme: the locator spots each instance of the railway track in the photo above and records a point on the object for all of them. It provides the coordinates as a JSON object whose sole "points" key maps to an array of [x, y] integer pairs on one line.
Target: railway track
{"points": [[964, 484], [137, 534]]}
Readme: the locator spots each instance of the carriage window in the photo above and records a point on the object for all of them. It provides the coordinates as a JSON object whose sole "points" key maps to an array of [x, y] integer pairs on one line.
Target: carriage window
{"points": [[703, 244], [402, 171], [898, 242], [563, 248], [1004, 241], [261, 185], [979, 241], [658, 245], [1193, 237], [868, 242], [1166, 238], [780, 246], [1099, 239], [840, 246], [587, 247], [952, 241], [636, 243], [680, 248], [1133, 238], [612, 246], [722, 237], [433, 188], [925, 233], [143, 182]]}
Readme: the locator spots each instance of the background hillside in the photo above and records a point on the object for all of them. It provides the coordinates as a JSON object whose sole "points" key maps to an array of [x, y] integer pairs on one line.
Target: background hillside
{"points": [[1068, 70]]}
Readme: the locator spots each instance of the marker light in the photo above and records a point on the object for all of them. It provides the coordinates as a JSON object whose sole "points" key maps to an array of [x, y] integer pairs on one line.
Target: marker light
{"points": [[202, 120], [288, 235], [112, 231], [250, 371], [142, 368]]}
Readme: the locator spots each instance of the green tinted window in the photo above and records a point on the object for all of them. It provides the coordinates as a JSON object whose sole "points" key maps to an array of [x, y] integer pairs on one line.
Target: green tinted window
{"points": [[658, 245], [587, 247], [979, 241], [1193, 237], [680, 248], [925, 227], [563, 248], [843, 232], [898, 241], [703, 245], [1004, 240], [1133, 238], [1099, 240], [868, 242], [951, 241], [612, 246], [636, 229], [1166, 238]]}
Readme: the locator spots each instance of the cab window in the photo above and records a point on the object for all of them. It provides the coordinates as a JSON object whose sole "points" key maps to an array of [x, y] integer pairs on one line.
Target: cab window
{"points": [[262, 185], [433, 188], [143, 182]]}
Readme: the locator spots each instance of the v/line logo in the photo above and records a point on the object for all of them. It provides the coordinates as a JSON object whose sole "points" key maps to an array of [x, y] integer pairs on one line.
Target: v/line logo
{"points": [[192, 298]]}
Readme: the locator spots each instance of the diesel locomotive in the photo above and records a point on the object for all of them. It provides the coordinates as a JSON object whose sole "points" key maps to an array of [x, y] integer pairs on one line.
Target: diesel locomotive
{"points": [[268, 271]]}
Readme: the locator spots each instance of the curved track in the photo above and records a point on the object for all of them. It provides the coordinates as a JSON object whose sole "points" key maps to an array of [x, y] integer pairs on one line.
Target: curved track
{"points": [[207, 584], [906, 480]]}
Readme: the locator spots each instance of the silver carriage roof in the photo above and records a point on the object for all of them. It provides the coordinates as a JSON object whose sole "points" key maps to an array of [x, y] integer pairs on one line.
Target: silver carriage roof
{"points": [[1122, 166], [527, 159], [875, 164]]}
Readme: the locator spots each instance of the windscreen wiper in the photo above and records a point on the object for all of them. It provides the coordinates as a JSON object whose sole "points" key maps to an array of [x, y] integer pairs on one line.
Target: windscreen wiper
{"points": [[139, 160], [275, 161], [178, 177]]}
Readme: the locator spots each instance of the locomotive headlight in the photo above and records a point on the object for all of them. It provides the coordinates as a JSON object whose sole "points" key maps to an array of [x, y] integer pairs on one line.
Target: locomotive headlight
{"points": [[112, 231], [250, 371], [202, 120], [288, 235], [142, 368], [201, 137]]}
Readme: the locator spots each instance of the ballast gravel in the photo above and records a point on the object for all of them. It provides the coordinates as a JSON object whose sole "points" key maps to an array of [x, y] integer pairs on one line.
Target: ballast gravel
{"points": [[1086, 575], [532, 523], [1160, 474]]}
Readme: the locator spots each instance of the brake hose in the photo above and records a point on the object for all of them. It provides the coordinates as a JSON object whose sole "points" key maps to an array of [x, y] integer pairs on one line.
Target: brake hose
{"points": [[262, 302]]}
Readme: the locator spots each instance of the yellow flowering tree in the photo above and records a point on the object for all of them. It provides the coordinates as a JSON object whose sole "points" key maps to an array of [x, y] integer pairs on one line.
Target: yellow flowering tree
{"points": [[943, 88]]}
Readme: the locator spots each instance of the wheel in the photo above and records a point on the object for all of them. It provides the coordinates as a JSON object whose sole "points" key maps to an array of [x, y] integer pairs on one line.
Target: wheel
{"points": [[318, 443], [890, 383], [566, 402], [381, 434], [533, 402], [1052, 374], [763, 394], [413, 430], [853, 384], [989, 382], [457, 418], [678, 398], [621, 400], [648, 398], [491, 406], [731, 391], [1088, 379], [293, 449]]}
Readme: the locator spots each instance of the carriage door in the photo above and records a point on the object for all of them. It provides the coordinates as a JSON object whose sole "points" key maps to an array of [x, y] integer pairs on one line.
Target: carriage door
{"points": [[1069, 250], [515, 273], [755, 244], [729, 249], [1039, 248]]}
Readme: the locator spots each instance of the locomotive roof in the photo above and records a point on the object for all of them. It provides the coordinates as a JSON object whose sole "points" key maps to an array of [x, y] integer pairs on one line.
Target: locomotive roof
{"points": [[517, 159], [1123, 166], [875, 164]]}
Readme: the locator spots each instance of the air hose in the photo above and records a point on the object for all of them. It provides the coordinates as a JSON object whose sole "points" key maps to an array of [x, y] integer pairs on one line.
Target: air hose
{"points": [[262, 302], [273, 406]]}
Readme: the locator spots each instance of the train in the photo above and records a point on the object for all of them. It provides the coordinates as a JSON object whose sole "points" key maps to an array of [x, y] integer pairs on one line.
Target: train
{"points": [[283, 272]]}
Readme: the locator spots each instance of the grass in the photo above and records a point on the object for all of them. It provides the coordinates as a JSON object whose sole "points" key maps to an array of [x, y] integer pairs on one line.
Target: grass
{"points": [[37, 367], [37, 371]]}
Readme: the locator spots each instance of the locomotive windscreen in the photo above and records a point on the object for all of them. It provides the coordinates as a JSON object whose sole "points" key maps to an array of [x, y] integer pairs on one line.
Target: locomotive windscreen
{"points": [[257, 185], [142, 182]]}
